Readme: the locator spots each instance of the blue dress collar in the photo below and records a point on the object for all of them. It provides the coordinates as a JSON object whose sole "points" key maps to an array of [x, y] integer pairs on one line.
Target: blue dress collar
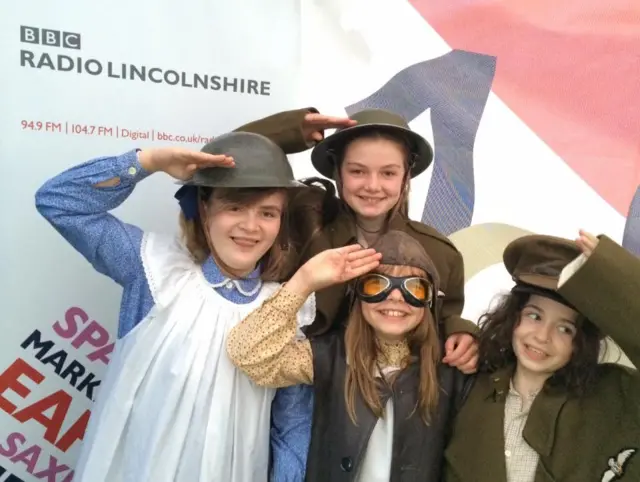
{"points": [[248, 286]]}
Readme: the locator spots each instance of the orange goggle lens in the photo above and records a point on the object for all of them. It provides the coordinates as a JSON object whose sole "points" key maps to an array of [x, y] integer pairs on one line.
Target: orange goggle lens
{"points": [[374, 288]]}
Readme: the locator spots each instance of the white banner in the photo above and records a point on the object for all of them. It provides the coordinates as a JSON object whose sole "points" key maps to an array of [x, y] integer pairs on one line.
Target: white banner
{"points": [[82, 80], [542, 142]]}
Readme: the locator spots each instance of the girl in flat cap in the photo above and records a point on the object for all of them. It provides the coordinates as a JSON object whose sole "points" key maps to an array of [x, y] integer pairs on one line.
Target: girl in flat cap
{"points": [[384, 399], [542, 408], [172, 407], [372, 159]]}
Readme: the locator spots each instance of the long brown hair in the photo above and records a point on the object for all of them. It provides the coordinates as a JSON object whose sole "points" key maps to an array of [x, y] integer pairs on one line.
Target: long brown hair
{"points": [[310, 209], [495, 344], [276, 261], [362, 348], [402, 206]]}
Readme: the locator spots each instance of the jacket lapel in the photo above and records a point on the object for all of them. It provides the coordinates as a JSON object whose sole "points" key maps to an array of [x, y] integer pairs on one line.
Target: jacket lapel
{"points": [[491, 450], [485, 407], [342, 230], [540, 430]]}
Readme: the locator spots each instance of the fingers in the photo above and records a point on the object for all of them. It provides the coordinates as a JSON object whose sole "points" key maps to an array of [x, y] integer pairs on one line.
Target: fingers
{"points": [[354, 271], [314, 125], [591, 241], [587, 242], [467, 357], [583, 246], [588, 235], [449, 346], [362, 253], [464, 343], [470, 367], [588, 238], [352, 248], [327, 122], [364, 260], [357, 256], [358, 260], [202, 159]]}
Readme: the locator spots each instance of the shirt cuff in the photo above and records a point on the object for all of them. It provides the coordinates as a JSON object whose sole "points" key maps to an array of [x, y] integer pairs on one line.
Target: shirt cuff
{"points": [[128, 168], [571, 269]]}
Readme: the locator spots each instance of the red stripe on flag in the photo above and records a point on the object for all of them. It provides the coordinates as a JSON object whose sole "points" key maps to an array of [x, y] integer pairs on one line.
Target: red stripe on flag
{"points": [[569, 70]]}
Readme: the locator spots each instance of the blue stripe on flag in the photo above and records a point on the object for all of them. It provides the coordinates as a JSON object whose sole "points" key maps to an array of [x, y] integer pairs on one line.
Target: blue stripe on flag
{"points": [[455, 87], [631, 237]]}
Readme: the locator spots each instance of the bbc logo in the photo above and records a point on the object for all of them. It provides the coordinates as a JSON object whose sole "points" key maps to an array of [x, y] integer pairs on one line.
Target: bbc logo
{"points": [[48, 37]]}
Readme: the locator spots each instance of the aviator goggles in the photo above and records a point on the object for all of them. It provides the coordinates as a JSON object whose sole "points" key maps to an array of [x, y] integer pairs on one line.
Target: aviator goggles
{"points": [[375, 287]]}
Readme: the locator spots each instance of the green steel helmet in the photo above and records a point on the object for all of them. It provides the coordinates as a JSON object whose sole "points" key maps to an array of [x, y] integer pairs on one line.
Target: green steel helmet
{"points": [[323, 156], [259, 162]]}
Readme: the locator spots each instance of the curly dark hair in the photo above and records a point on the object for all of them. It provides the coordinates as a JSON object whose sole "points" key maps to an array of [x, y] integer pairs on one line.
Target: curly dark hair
{"points": [[496, 348]]}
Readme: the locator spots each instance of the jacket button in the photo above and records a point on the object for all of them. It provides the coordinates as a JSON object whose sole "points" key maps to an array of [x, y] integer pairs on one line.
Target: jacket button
{"points": [[346, 464]]}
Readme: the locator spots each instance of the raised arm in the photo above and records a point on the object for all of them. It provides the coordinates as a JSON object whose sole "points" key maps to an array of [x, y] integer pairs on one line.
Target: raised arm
{"points": [[295, 130], [77, 204], [263, 345], [453, 303], [604, 285], [461, 347]]}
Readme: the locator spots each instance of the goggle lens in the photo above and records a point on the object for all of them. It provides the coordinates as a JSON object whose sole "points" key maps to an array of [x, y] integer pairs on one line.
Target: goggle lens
{"points": [[374, 288]]}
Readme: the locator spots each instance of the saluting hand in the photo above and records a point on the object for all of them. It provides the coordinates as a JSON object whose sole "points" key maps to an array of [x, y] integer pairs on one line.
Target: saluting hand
{"points": [[333, 266], [587, 242], [179, 162], [314, 125]]}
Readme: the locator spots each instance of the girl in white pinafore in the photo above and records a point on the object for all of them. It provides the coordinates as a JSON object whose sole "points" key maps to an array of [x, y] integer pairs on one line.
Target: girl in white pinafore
{"points": [[172, 407]]}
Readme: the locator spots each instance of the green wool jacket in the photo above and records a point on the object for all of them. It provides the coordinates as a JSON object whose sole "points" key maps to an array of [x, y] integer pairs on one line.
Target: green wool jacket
{"points": [[578, 440]]}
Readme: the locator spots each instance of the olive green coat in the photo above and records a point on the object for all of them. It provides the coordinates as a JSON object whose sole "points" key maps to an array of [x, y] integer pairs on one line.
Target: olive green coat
{"points": [[285, 129], [576, 439]]}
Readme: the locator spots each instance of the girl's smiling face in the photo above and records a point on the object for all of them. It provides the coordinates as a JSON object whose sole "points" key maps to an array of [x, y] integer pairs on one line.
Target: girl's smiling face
{"points": [[241, 233], [372, 174], [543, 338]]}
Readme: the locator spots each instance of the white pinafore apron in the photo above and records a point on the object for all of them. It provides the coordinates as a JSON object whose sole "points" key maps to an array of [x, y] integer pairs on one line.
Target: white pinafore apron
{"points": [[172, 406]]}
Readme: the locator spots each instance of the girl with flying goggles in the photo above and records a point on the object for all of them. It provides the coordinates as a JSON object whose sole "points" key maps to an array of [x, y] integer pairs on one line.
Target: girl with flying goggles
{"points": [[371, 157], [383, 397]]}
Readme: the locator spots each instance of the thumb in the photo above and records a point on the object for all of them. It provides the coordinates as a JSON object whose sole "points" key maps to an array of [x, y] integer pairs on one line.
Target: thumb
{"points": [[449, 345]]}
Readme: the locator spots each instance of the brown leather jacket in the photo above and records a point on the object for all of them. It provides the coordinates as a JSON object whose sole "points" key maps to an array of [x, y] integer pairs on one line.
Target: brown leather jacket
{"points": [[417, 448]]}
